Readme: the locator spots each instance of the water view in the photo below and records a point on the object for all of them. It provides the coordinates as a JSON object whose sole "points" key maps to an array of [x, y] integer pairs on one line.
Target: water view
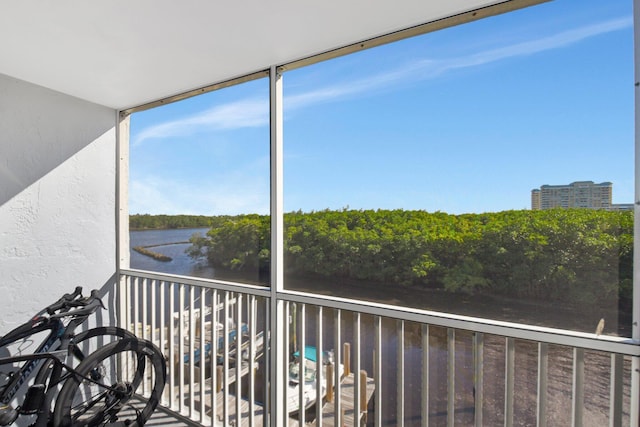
{"points": [[172, 243], [427, 124]]}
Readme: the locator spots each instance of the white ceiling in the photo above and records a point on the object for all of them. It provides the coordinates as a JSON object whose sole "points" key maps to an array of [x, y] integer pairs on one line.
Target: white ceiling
{"points": [[123, 53]]}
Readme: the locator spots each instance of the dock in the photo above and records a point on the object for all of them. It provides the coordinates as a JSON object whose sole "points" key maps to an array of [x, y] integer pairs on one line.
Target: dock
{"points": [[347, 387], [192, 388], [252, 414], [345, 419]]}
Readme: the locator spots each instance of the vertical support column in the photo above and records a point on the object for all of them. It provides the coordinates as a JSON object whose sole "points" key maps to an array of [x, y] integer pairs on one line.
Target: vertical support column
{"points": [[634, 410], [277, 368], [122, 209]]}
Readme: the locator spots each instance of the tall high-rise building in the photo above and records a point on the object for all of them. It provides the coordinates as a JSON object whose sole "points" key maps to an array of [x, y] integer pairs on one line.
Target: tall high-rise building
{"points": [[579, 194], [535, 199]]}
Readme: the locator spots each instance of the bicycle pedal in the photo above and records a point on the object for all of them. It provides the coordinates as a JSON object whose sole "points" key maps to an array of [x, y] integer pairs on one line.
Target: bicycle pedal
{"points": [[33, 400]]}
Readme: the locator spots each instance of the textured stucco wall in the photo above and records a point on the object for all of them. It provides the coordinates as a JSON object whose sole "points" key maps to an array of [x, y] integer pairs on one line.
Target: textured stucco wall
{"points": [[57, 197]]}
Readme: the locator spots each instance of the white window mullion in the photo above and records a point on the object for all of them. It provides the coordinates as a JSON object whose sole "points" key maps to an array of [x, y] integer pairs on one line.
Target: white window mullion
{"points": [[278, 391]]}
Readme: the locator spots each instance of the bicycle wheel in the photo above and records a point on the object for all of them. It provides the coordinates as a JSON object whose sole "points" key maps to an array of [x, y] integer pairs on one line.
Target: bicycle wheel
{"points": [[119, 384], [84, 343]]}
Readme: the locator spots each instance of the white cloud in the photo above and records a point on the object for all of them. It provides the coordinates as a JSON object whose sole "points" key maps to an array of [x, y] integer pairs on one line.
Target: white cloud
{"points": [[235, 115], [209, 192], [240, 192], [236, 194], [425, 69], [255, 112], [555, 41]]}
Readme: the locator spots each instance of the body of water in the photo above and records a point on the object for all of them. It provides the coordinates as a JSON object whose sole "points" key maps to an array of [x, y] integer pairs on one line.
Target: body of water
{"points": [[165, 240], [560, 358]]}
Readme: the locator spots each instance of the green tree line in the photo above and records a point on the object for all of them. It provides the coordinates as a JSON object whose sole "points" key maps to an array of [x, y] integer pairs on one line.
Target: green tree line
{"points": [[146, 221], [577, 255]]}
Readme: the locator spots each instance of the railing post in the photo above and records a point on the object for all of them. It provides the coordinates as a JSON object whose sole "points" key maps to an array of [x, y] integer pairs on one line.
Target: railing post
{"points": [[356, 379], [543, 362], [216, 375], [322, 376], [578, 387], [330, 380], [425, 376], [478, 383], [616, 390], [172, 346], [509, 377], [400, 374], [191, 357], [377, 375], [180, 347], [302, 367], [451, 377], [341, 355]]}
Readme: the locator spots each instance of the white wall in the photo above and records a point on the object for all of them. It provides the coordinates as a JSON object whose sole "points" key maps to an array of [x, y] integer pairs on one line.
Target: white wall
{"points": [[57, 198]]}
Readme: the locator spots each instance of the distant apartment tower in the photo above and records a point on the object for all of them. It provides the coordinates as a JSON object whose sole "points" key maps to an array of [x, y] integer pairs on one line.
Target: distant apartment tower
{"points": [[580, 194]]}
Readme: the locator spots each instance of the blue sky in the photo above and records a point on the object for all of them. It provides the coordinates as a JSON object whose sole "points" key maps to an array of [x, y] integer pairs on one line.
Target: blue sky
{"points": [[468, 119]]}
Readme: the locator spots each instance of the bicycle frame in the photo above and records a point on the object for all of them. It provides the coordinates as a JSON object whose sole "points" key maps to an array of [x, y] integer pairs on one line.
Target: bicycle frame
{"points": [[57, 329], [42, 411], [52, 362], [60, 334]]}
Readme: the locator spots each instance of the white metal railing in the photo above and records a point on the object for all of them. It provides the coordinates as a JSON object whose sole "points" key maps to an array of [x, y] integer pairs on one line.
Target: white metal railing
{"points": [[376, 363], [203, 332]]}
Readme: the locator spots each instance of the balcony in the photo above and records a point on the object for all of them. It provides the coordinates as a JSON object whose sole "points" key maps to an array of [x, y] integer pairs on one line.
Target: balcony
{"points": [[70, 79], [391, 366]]}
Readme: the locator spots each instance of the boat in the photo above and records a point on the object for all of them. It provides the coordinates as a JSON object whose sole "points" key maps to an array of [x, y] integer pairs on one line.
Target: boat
{"points": [[233, 338], [308, 380], [193, 316], [220, 355]]}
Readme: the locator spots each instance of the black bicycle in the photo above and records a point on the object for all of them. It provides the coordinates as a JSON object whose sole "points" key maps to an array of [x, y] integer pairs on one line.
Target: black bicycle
{"points": [[118, 384]]}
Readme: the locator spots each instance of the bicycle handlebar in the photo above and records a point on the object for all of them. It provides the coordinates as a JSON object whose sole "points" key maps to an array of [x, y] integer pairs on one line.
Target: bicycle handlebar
{"points": [[74, 305], [64, 300]]}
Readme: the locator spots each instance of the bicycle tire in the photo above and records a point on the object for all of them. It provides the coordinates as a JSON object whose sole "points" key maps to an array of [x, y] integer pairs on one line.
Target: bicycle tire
{"points": [[110, 400], [102, 331]]}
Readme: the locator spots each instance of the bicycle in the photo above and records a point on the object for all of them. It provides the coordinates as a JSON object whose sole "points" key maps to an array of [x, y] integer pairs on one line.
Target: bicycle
{"points": [[60, 320], [101, 391]]}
